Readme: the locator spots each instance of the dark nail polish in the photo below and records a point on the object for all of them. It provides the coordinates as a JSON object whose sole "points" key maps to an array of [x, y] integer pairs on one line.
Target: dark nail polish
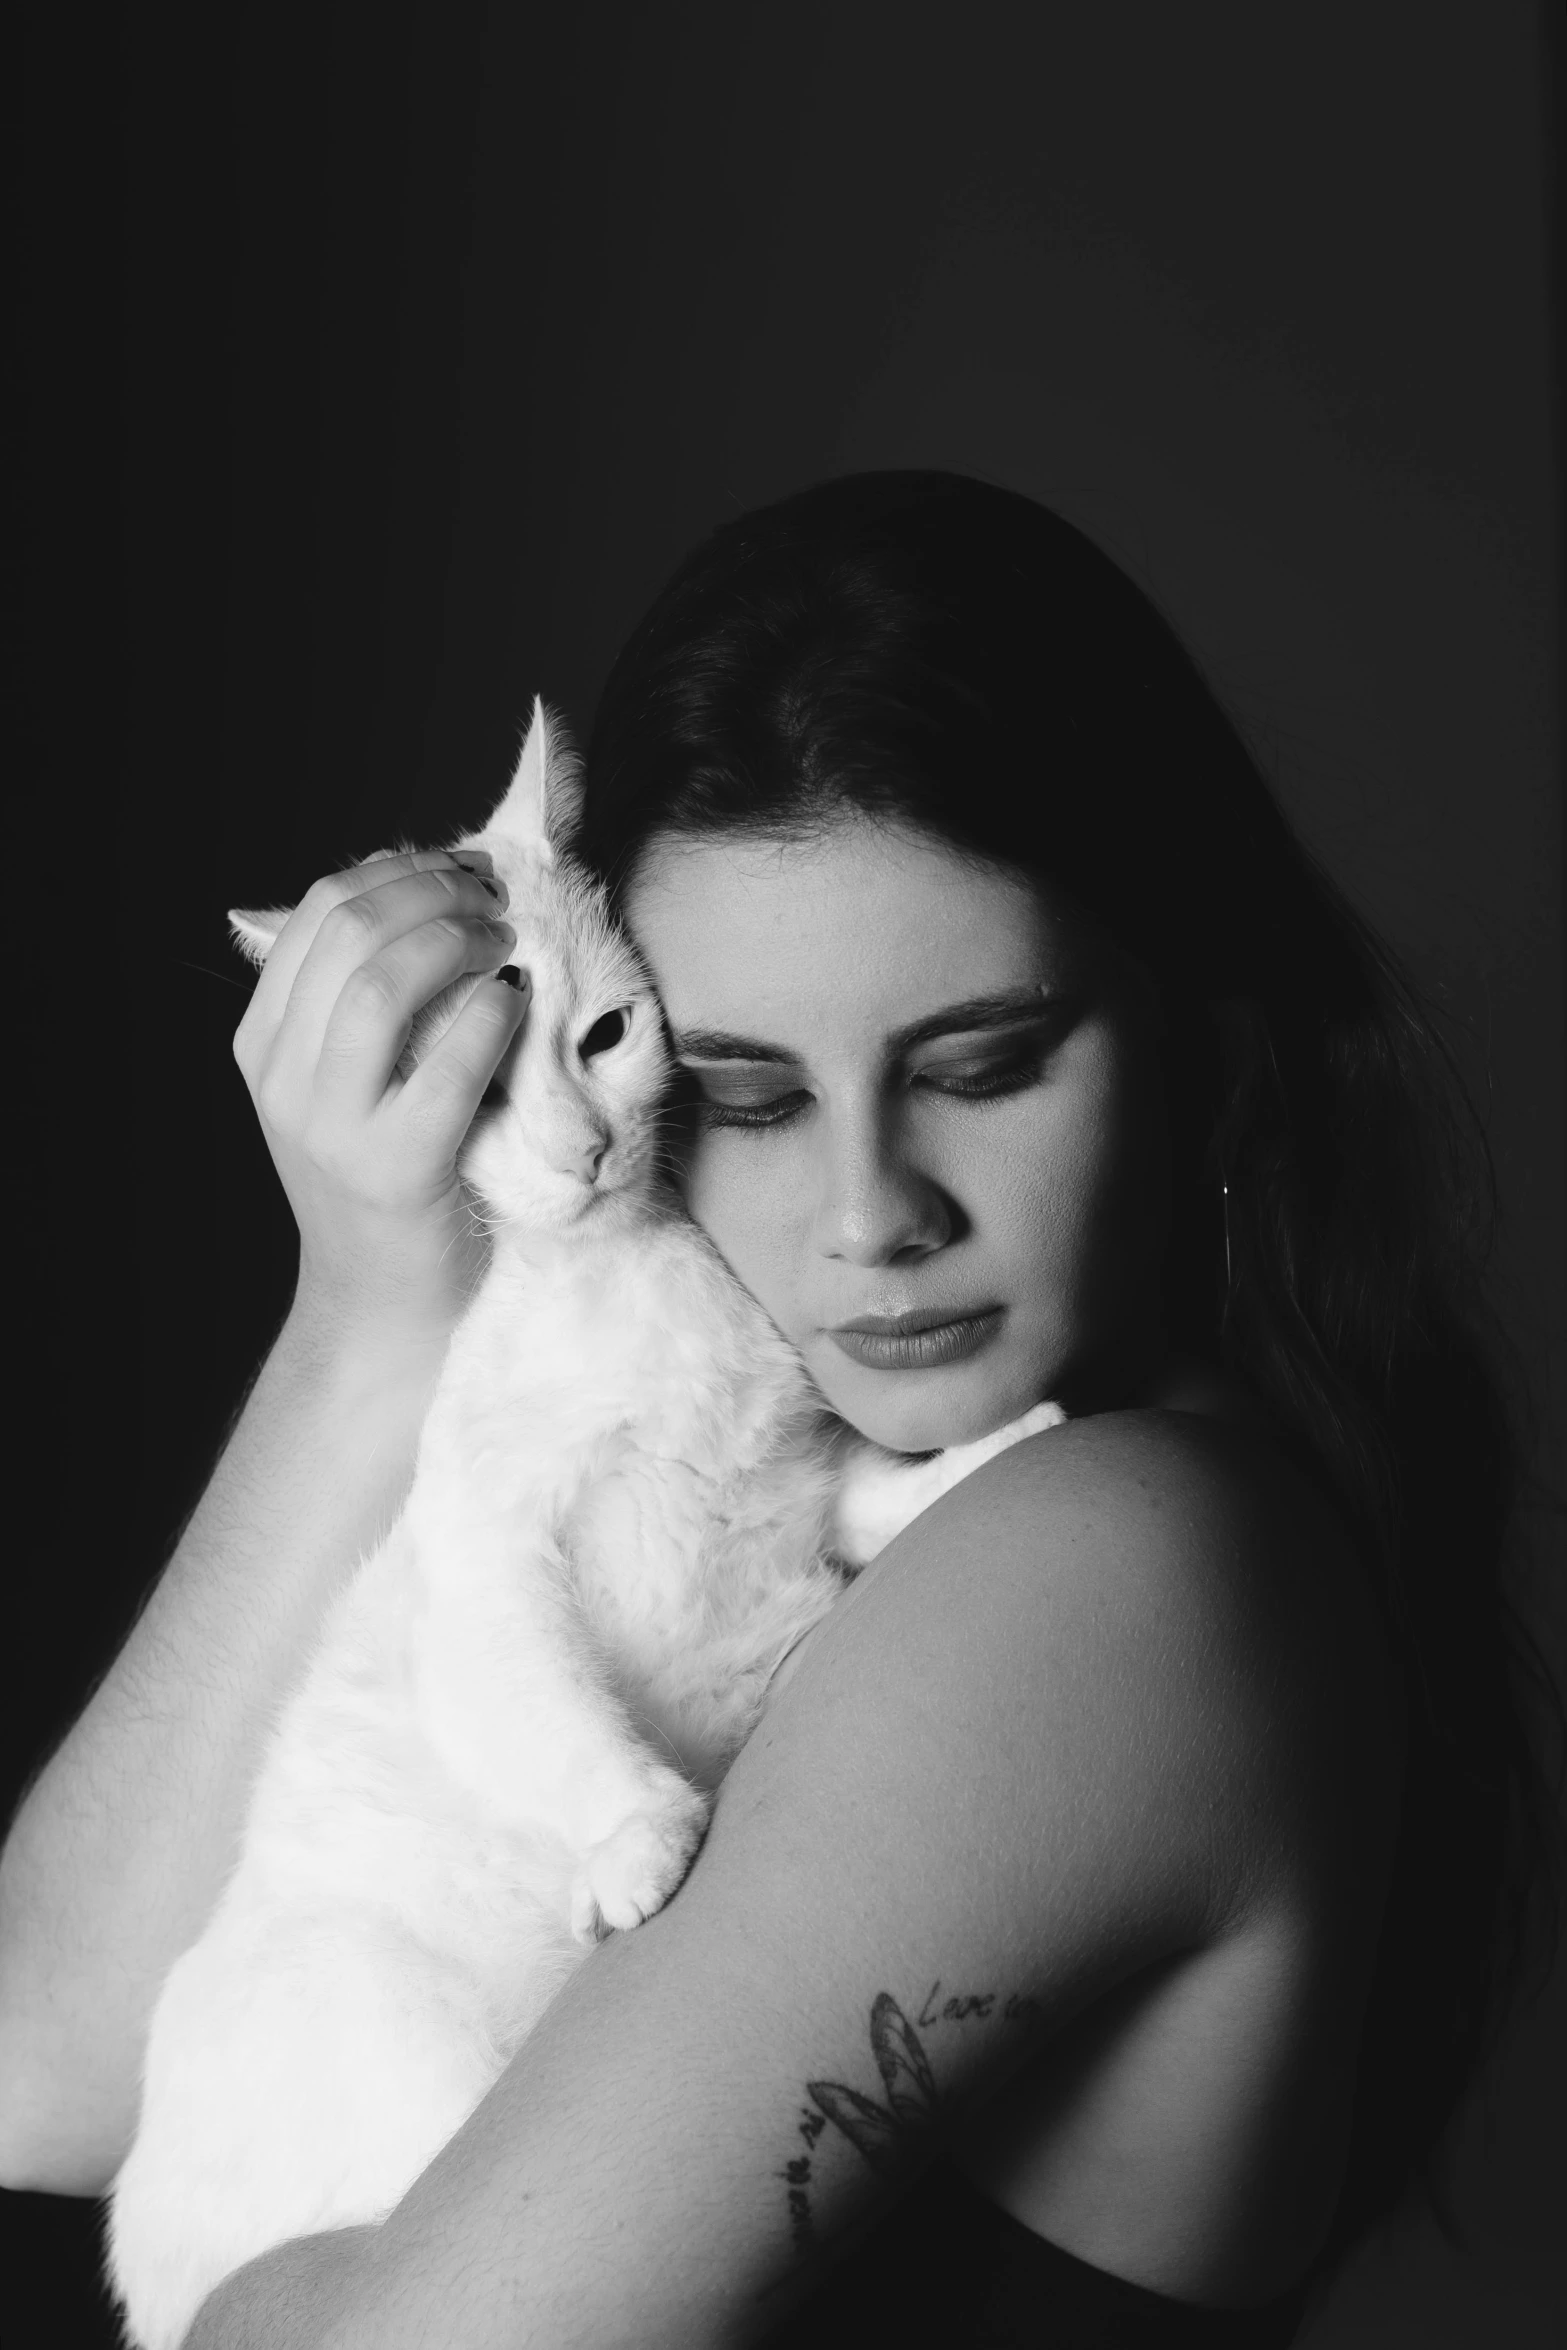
{"points": [[511, 975]]}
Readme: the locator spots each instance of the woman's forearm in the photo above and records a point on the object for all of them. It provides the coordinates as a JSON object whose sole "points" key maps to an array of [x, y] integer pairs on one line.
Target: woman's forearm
{"points": [[288, 2299], [118, 1852]]}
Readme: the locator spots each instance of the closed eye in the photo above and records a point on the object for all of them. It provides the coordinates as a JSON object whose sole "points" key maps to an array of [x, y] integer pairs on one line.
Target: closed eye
{"points": [[605, 1033], [1002, 1079]]}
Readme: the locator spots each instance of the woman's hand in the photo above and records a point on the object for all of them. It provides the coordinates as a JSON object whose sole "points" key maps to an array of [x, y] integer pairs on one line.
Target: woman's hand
{"points": [[367, 1157]]}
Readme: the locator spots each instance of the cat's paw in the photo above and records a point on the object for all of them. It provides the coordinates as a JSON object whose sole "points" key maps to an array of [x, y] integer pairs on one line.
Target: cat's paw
{"points": [[631, 1872]]}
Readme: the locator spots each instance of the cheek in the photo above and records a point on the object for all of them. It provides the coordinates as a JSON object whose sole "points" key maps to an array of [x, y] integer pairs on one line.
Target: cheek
{"points": [[1078, 1197], [743, 1207], [1120, 1191], [718, 1194], [1037, 1204]]}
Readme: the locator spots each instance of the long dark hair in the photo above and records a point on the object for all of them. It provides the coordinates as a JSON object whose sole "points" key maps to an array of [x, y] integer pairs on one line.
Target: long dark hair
{"points": [[932, 651]]}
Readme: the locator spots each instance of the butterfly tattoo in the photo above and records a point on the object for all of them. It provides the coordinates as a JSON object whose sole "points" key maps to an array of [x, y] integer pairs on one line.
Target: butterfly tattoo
{"points": [[880, 2132]]}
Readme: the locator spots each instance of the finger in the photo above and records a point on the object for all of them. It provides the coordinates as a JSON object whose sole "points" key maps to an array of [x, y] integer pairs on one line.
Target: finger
{"points": [[367, 1029], [300, 932], [363, 925], [437, 1102]]}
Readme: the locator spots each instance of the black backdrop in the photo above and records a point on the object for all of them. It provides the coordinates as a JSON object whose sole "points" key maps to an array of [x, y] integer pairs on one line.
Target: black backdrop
{"points": [[380, 362]]}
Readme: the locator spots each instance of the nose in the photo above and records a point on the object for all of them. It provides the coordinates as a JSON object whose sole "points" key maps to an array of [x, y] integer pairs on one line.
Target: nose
{"points": [[583, 1162], [573, 1140], [873, 1204]]}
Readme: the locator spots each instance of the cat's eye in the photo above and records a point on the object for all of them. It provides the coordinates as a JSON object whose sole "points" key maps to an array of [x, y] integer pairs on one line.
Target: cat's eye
{"points": [[605, 1033]]}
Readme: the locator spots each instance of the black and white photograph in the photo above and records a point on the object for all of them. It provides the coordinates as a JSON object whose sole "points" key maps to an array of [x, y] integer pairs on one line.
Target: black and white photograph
{"points": [[789, 1140]]}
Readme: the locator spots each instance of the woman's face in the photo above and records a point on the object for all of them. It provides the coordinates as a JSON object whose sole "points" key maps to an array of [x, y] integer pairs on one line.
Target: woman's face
{"points": [[922, 1093]]}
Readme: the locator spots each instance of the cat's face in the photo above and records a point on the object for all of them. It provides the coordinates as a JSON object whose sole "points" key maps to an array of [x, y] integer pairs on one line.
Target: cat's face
{"points": [[571, 1118], [572, 1115]]}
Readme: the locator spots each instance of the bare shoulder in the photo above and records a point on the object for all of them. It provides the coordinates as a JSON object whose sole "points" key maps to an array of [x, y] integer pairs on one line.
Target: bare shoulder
{"points": [[1181, 1513], [1188, 1537], [1159, 1615], [1132, 1525], [1172, 1522]]}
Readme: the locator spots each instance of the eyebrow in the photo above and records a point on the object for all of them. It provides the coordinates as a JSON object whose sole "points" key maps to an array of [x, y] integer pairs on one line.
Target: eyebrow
{"points": [[1009, 1009]]}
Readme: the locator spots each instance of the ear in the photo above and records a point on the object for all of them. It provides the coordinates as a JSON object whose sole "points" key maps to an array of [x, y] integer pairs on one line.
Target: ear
{"points": [[543, 801], [255, 935]]}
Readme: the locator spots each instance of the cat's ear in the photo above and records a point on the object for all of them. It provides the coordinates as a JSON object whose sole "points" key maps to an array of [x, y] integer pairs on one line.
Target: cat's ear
{"points": [[255, 935], [544, 798]]}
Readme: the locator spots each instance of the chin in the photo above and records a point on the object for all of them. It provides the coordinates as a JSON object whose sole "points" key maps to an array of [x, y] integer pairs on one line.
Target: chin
{"points": [[926, 1411]]}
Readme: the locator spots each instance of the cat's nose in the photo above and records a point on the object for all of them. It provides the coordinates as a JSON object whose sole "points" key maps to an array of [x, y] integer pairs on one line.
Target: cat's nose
{"points": [[583, 1160]]}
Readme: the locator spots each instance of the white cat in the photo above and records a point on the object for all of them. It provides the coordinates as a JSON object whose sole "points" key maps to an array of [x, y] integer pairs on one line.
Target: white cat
{"points": [[621, 1521]]}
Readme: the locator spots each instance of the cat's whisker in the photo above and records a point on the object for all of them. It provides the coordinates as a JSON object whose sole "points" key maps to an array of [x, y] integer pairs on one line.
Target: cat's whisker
{"points": [[226, 977], [657, 1736]]}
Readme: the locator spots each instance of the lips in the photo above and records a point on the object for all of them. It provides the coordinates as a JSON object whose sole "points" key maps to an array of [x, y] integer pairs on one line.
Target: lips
{"points": [[918, 1318], [916, 1341]]}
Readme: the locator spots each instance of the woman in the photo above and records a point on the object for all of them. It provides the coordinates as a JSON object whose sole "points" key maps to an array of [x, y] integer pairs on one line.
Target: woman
{"points": [[1100, 1925]]}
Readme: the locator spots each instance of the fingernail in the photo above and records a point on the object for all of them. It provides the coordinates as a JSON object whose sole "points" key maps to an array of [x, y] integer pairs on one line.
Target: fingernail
{"points": [[511, 976], [502, 930], [473, 860]]}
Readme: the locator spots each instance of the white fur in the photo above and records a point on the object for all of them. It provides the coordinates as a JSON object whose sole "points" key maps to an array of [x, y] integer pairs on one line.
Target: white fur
{"points": [[621, 1521]]}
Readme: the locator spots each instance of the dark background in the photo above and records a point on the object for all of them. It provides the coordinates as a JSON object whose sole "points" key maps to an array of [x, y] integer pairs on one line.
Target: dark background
{"points": [[380, 363]]}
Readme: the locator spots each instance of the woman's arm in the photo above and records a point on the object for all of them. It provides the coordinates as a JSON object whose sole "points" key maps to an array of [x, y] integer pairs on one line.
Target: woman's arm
{"points": [[1023, 1759], [118, 1852]]}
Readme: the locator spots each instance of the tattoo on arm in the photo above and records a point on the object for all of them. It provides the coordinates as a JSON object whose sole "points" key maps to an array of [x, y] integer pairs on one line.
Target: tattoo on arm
{"points": [[881, 2132]]}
